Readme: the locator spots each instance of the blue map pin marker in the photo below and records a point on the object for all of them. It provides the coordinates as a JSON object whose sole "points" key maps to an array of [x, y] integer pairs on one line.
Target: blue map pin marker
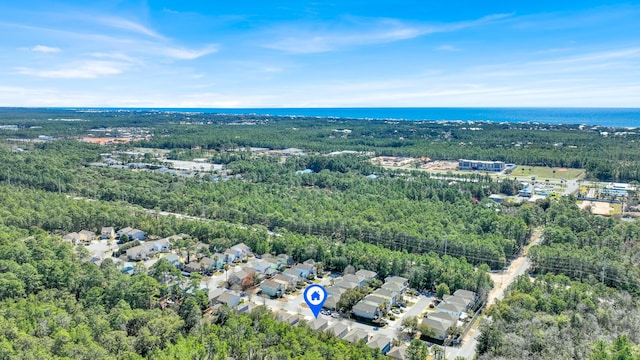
{"points": [[315, 295]]}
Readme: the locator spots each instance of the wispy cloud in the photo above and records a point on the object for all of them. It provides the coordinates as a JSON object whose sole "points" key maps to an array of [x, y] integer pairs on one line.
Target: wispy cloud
{"points": [[45, 49], [125, 24], [324, 37], [110, 43], [187, 54], [587, 63], [88, 69], [117, 56]]}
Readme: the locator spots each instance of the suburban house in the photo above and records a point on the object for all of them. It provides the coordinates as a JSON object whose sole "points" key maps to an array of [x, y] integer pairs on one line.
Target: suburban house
{"points": [[107, 233], [174, 259], [305, 270], [162, 245], [285, 259], [452, 308], [263, 266], [398, 352], [246, 307], [377, 301], [218, 261], [395, 287], [465, 294], [194, 266], [470, 296], [214, 293], [207, 264], [366, 275], [147, 249], [310, 262], [87, 236], [285, 317], [287, 281], [443, 317], [366, 310], [242, 249], [292, 273], [356, 335], [133, 234], [392, 297], [345, 285], [439, 325], [331, 303], [227, 298], [467, 303], [73, 238], [137, 253], [231, 255], [381, 342], [338, 329], [355, 280], [319, 324], [237, 277], [403, 282], [335, 291], [273, 288]]}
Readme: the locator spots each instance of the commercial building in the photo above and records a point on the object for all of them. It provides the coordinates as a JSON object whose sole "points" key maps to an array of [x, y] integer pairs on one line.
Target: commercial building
{"points": [[464, 164]]}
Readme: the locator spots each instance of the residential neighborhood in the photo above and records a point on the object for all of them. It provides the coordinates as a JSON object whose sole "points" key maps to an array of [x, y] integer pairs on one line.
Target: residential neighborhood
{"points": [[238, 279]]}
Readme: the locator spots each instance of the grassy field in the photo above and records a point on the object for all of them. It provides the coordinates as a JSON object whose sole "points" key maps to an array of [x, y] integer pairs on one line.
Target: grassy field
{"points": [[543, 172]]}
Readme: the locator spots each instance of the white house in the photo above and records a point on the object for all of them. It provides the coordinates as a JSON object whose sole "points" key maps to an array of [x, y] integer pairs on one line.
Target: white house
{"points": [[107, 232], [366, 310], [452, 308], [366, 275]]}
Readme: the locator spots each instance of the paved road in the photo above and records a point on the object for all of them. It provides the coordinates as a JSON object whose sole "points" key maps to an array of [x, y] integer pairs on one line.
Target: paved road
{"points": [[501, 281]]}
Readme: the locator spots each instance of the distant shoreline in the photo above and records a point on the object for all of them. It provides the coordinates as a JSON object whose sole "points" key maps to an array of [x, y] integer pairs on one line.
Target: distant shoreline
{"points": [[606, 117]]}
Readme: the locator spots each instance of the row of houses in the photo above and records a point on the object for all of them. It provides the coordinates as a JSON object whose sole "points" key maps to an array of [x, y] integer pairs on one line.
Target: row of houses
{"points": [[343, 331], [108, 232], [339, 329], [83, 237], [388, 295], [216, 261], [448, 312], [149, 248]]}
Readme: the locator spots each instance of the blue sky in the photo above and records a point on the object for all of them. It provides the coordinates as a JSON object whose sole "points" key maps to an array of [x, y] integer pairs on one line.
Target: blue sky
{"points": [[319, 54]]}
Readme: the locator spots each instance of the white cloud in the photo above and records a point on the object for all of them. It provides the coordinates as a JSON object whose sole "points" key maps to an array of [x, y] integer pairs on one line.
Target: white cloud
{"points": [[187, 54], [89, 69], [129, 25], [117, 56], [45, 49], [321, 37]]}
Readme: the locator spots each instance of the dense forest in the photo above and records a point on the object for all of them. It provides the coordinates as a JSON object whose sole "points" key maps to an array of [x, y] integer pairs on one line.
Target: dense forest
{"points": [[583, 300], [553, 317], [584, 246], [394, 211], [608, 154]]}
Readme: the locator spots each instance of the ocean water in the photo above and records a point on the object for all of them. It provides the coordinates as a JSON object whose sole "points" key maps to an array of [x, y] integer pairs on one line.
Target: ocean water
{"points": [[609, 117]]}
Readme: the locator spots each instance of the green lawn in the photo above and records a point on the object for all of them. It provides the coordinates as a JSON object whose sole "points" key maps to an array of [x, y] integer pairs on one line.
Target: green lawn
{"points": [[544, 172]]}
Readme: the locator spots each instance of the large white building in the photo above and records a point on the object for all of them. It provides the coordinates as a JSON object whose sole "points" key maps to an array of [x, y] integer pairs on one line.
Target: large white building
{"points": [[464, 164]]}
